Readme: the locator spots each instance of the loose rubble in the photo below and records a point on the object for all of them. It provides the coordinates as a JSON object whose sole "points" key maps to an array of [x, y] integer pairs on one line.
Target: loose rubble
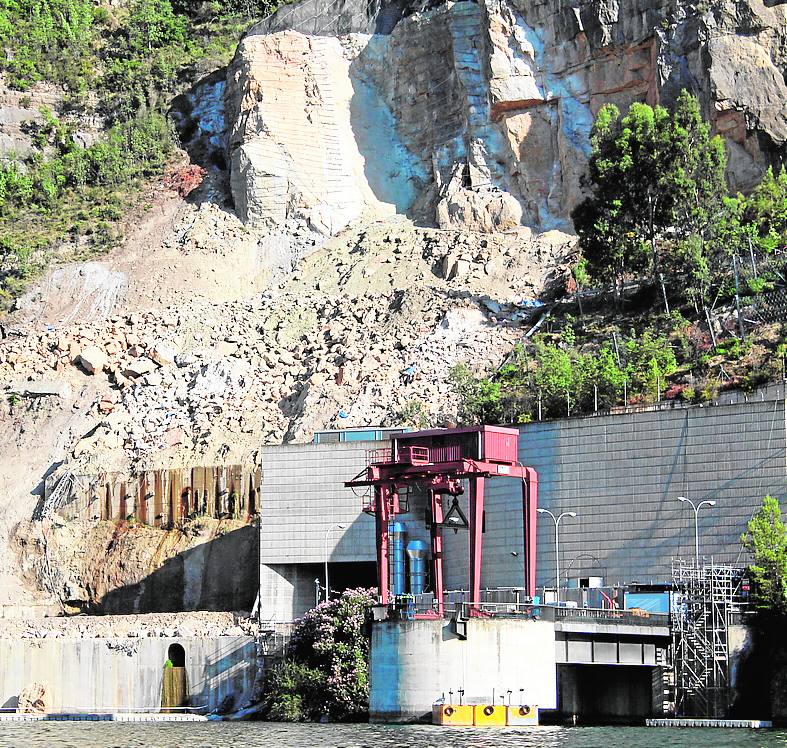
{"points": [[197, 624], [206, 383]]}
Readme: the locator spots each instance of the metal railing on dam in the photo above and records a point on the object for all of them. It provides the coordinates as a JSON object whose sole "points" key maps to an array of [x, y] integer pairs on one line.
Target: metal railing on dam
{"points": [[457, 606]]}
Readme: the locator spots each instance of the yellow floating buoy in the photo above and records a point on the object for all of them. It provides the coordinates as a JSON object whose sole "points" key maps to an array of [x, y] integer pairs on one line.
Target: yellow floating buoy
{"points": [[452, 714]]}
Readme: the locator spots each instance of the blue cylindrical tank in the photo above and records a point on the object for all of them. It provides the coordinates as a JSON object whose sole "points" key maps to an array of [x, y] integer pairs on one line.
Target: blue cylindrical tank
{"points": [[417, 551], [397, 558]]}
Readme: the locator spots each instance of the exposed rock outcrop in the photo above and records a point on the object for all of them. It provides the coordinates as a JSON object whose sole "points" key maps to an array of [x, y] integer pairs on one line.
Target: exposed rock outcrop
{"points": [[32, 699], [477, 98]]}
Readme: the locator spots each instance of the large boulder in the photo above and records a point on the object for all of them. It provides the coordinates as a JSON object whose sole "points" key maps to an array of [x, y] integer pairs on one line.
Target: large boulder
{"points": [[92, 359], [485, 211]]}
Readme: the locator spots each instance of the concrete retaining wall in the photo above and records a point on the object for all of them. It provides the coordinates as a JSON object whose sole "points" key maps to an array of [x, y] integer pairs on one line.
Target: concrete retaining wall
{"points": [[415, 663], [112, 674]]}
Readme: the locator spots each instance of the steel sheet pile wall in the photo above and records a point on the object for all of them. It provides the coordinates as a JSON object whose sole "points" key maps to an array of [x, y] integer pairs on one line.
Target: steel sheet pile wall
{"points": [[165, 497]]}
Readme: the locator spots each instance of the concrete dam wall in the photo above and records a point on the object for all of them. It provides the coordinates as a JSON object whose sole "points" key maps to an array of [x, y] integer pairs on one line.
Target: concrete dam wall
{"points": [[126, 673]]}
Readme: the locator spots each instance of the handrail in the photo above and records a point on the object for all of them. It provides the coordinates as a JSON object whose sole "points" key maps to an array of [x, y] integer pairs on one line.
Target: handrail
{"points": [[409, 606]]}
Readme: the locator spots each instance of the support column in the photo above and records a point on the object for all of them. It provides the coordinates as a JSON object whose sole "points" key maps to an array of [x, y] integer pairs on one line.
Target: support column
{"points": [[382, 518], [529, 505], [437, 550], [476, 521]]}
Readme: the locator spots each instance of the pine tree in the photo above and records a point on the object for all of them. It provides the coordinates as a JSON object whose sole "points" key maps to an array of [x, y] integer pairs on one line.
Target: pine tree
{"points": [[655, 178]]}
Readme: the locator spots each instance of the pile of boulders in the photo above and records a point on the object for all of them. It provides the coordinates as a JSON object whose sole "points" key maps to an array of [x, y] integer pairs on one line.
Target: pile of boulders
{"points": [[122, 348], [363, 333]]}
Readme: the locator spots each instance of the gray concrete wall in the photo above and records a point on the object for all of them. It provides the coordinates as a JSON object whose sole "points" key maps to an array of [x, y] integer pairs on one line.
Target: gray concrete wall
{"points": [[415, 663], [622, 474], [125, 673], [303, 495], [287, 591]]}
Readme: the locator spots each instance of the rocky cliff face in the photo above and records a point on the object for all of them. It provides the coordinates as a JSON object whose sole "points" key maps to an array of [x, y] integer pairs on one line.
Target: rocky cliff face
{"points": [[479, 114]]}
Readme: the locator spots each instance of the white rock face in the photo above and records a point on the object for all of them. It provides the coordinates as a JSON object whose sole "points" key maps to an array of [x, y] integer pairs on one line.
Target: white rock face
{"points": [[456, 113], [300, 121]]}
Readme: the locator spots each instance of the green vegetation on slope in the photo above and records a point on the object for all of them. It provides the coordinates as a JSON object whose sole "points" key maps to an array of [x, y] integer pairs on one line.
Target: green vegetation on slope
{"points": [[659, 207], [122, 64], [658, 217], [75, 191]]}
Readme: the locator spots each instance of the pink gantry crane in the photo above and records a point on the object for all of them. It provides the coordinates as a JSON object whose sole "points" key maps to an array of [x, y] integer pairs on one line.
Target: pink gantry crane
{"points": [[440, 460]]}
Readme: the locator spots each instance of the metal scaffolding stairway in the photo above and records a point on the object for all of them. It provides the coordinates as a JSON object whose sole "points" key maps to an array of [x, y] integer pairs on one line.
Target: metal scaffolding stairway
{"points": [[706, 599]]}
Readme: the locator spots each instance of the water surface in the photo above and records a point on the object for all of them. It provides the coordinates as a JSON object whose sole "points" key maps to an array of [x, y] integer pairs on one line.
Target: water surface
{"points": [[258, 734]]}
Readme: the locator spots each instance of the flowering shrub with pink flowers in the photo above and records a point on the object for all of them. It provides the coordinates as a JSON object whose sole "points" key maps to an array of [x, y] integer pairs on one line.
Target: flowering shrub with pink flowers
{"points": [[326, 672]]}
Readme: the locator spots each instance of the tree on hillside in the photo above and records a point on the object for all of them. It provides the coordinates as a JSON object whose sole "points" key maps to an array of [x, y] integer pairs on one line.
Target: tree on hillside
{"points": [[656, 179], [766, 539], [765, 211]]}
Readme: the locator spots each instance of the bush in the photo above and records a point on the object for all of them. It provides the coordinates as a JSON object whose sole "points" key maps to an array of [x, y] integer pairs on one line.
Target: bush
{"points": [[295, 693], [326, 674]]}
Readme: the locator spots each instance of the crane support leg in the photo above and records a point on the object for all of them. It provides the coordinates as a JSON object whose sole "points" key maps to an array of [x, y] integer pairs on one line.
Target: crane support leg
{"points": [[381, 515], [529, 505], [437, 549], [476, 522]]}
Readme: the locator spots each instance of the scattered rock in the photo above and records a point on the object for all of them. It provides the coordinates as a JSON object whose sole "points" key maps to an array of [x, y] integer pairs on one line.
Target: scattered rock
{"points": [[33, 699], [139, 368], [162, 353], [92, 359]]}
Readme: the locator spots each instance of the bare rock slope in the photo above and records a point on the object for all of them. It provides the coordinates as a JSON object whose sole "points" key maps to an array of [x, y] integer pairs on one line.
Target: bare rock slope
{"points": [[479, 114], [385, 165]]}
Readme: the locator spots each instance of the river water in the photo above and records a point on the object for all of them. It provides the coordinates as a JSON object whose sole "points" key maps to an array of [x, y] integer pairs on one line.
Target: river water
{"points": [[256, 734]]}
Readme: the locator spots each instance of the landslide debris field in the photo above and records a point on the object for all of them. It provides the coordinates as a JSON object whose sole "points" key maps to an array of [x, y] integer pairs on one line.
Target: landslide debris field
{"points": [[165, 353]]}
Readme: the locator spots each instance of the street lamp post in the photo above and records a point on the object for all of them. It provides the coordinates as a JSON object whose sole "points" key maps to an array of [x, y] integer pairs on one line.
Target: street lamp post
{"points": [[325, 553], [696, 524], [556, 520]]}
